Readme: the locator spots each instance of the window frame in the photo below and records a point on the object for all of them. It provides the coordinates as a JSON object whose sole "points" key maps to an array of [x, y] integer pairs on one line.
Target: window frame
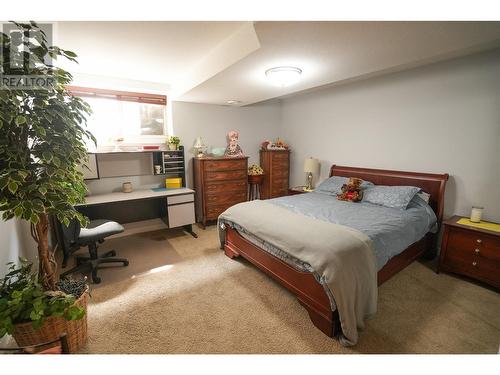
{"points": [[127, 96]]}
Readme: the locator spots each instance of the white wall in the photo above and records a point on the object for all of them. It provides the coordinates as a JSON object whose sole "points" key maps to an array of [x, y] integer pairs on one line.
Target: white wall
{"points": [[211, 122], [442, 118], [16, 242]]}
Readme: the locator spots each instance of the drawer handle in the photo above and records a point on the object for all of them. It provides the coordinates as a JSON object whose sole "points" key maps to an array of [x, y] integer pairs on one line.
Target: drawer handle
{"points": [[476, 251], [474, 264], [479, 240]]}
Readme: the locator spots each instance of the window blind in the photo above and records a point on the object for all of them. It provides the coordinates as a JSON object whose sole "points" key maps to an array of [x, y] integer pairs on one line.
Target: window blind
{"points": [[126, 96]]}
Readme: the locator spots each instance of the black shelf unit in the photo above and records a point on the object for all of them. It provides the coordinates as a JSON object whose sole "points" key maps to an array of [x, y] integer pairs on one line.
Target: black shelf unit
{"points": [[172, 162]]}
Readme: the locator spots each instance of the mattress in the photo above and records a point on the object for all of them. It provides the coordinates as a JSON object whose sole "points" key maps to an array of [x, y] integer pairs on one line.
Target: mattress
{"points": [[391, 230]]}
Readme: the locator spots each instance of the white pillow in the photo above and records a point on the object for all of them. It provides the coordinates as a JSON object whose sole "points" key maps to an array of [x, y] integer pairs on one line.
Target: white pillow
{"points": [[424, 196]]}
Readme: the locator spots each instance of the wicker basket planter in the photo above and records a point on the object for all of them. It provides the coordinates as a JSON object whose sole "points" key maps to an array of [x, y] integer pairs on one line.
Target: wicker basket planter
{"points": [[54, 327]]}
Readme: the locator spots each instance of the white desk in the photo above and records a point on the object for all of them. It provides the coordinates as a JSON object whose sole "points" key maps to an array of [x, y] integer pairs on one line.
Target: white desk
{"points": [[179, 202], [136, 194]]}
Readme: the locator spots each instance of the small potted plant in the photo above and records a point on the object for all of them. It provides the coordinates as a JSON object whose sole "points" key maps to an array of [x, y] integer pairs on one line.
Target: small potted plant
{"points": [[35, 315], [173, 142]]}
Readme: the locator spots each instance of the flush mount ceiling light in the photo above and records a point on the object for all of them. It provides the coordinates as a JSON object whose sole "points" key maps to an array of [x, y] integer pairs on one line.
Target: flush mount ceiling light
{"points": [[283, 76]]}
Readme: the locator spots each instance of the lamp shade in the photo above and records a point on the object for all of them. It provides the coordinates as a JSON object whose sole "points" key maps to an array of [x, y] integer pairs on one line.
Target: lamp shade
{"points": [[198, 143], [311, 165]]}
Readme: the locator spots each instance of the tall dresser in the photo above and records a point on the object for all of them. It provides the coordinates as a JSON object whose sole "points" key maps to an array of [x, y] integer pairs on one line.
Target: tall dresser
{"points": [[219, 183], [276, 166]]}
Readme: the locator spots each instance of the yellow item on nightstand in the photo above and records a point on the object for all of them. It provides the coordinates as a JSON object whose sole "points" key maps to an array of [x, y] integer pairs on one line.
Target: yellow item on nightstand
{"points": [[481, 225], [173, 183]]}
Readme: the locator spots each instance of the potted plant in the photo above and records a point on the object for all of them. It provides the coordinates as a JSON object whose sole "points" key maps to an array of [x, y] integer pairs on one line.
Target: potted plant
{"points": [[42, 142], [35, 315], [173, 142], [255, 174]]}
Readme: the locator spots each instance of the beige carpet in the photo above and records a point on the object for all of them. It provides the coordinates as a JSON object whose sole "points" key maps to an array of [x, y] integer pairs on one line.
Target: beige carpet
{"points": [[183, 295]]}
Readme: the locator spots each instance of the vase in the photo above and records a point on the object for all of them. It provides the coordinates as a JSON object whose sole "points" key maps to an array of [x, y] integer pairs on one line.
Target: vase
{"points": [[53, 327], [172, 147], [127, 187]]}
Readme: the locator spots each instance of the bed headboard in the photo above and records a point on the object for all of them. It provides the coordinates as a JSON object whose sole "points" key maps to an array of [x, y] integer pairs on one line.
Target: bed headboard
{"points": [[432, 184]]}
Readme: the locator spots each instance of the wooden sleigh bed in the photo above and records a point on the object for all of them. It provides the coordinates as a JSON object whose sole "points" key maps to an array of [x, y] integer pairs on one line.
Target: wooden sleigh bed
{"points": [[309, 292]]}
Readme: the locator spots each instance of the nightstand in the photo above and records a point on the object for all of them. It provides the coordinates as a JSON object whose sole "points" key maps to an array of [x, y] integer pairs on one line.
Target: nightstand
{"points": [[298, 190], [470, 251]]}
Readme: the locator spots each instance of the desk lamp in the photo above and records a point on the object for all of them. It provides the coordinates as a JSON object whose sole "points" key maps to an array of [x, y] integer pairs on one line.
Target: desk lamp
{"points": [[199, 147]]}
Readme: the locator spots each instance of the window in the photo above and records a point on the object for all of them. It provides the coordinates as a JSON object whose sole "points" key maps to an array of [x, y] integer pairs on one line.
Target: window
{"points": [[133, 117]]}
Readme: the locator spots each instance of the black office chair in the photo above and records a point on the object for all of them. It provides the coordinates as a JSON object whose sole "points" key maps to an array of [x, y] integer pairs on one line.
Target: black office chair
{"points": [[75, 237]]}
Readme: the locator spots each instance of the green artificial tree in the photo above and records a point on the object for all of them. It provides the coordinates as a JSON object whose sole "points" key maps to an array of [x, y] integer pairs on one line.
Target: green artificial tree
{"points": [[42, 142]]}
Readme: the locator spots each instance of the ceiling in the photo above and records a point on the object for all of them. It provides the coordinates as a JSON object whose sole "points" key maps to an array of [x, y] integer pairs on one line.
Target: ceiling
{"points": [[213, 62], [172, 55], [332, 52]]}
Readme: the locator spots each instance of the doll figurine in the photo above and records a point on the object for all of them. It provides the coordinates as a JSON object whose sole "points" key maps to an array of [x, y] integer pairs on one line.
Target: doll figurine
{"points": [[233, 148]]}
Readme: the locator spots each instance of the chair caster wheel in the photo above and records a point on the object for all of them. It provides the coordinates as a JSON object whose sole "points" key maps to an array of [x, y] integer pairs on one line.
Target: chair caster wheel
{"points": [[125, 263], [96, 280]]}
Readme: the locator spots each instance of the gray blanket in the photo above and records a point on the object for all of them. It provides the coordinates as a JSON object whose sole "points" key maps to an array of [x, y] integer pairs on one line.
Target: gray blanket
{"points": [[341, 257]]}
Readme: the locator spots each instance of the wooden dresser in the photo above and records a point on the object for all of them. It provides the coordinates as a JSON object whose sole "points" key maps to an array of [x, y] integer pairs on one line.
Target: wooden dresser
{"points": [[471, 252], [276, 166], [219, 184]]}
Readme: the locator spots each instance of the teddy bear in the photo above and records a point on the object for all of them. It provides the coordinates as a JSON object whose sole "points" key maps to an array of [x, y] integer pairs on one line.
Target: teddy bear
{"points": [[351, 191]]}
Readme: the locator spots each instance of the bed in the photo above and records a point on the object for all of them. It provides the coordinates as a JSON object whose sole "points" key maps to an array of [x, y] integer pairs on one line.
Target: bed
{"points": [[310, 291]]}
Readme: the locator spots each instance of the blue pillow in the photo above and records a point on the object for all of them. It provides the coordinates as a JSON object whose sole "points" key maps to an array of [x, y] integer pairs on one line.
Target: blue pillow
{"points": [[333, 185], [390, 196]]}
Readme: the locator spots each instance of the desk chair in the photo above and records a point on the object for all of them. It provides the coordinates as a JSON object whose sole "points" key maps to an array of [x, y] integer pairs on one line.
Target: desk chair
{"points": [[75, 237]]}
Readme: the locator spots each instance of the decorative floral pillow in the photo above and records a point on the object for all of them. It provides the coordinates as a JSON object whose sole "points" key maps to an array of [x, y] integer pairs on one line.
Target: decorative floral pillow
{"points": [[333, 185], [390, 196], [424, 196]]}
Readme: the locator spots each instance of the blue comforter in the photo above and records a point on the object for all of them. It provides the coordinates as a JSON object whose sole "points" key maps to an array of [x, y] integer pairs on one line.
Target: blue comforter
{"points": [[391, 230]]}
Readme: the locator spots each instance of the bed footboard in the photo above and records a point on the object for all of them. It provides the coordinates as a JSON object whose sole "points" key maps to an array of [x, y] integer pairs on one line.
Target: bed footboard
{"points": [[309, 292]]}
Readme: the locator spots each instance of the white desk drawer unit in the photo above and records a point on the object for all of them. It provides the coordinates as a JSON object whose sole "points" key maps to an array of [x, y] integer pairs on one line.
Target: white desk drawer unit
{"points": [[180, 210], [176, 199]]}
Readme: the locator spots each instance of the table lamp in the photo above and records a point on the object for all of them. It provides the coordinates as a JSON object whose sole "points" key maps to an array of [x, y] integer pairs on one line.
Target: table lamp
{"points": [[311, 167], [199, 147]]}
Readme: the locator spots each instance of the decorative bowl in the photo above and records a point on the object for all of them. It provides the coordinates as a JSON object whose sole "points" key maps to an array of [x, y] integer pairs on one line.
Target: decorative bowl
{"points": [[218, 151]]}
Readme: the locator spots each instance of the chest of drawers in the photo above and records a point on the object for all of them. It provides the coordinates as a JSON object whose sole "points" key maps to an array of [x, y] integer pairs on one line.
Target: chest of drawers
{"points": [[471, 252], [219, 183], [276, 166]]}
